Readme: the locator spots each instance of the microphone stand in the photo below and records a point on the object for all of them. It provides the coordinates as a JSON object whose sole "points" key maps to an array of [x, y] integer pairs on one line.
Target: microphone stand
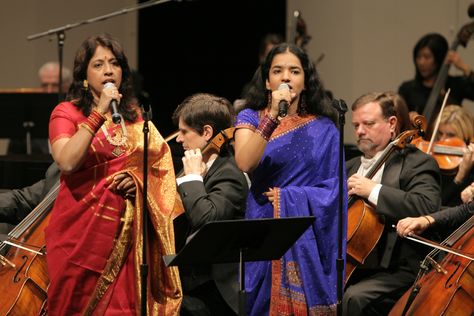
{"points": [[341, 108], [61, 36], [147, 114]]}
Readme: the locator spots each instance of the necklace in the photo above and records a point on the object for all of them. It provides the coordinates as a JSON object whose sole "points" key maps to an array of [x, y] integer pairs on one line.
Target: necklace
{"points": [[118, 140]]}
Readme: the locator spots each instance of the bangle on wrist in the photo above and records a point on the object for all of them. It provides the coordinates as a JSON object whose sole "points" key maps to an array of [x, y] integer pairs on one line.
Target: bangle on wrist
{"points": [[93, 122], [266, 127], [428, 219]]}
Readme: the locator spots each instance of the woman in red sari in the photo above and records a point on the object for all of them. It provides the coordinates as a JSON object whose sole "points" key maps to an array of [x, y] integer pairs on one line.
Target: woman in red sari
{"points": [[94, 238]]}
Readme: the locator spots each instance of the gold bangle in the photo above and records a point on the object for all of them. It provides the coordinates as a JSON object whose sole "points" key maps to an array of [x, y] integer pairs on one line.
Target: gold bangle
{"points": [[84, 125]]}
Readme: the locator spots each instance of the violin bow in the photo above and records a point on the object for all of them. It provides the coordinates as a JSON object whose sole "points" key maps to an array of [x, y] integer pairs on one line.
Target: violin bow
{"points": [[172, 136], [427, 242], [438, 120]]}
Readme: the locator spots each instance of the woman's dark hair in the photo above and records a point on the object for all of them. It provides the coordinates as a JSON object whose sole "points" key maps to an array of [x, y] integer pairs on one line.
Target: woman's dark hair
{"points": [[313, 99], [438, 46], [81, 96]]}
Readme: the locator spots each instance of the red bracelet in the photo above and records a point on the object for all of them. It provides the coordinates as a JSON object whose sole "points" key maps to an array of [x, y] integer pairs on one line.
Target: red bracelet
{"points": [[266, 127], [94, 122]]}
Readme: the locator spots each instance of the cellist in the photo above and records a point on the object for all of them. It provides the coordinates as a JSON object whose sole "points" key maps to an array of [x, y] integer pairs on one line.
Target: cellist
{"points": [[407, 184], [446, 219]]}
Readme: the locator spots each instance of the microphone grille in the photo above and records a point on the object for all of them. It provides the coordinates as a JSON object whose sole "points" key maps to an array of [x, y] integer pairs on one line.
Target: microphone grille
{"points": [[283, 86], [109, 84]]}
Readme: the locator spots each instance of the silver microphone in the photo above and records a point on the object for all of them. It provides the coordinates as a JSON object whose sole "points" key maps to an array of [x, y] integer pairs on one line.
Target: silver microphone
{"points": [[116, 117]]}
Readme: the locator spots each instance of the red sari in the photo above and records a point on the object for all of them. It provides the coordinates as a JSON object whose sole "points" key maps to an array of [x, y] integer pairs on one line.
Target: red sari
{"points": [[94, 238]]}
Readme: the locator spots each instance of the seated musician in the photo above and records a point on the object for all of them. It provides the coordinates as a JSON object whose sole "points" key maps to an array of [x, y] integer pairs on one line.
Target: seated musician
{"points": [[212, 188], [456, 122], [48, 75], [407, 184], [429, 54]]}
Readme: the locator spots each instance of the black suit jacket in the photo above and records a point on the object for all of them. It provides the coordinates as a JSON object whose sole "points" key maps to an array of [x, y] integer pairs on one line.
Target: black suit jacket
{"points": [[15, 205], [410, 187], [222, 196]]}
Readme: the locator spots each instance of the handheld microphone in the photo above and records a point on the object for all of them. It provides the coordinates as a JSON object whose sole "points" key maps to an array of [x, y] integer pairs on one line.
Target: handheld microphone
{"points": [[283, 104], [116, 117]]}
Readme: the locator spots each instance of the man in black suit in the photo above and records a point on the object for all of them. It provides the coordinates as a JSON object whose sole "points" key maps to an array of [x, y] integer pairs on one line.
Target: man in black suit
{"points": [[212, 188], [407, 184]]}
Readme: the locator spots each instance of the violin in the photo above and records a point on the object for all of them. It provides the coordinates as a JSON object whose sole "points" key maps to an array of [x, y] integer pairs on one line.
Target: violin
{"points": [[448, 288], [448, 153], [365, 227]]}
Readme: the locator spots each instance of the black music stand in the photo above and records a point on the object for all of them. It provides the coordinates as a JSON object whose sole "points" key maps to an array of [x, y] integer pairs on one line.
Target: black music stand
{"points": [[241, 241]]}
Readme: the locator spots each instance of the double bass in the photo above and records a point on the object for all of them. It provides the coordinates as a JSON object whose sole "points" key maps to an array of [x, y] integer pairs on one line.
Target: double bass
{"points": [[448, 288], [365, 227], [432, 106]]}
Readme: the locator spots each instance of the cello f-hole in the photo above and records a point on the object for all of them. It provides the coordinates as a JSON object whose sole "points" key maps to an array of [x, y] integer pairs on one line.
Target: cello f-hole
{"points": [[16, 278], [448, 283]]}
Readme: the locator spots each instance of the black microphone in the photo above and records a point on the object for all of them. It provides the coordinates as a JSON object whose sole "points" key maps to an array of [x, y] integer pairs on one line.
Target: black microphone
{"points": [[283, 105], [470, 10], [116, 117]]}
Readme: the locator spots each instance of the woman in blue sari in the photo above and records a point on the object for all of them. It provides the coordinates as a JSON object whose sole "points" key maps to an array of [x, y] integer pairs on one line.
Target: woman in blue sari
{"points": [[293, 165]]}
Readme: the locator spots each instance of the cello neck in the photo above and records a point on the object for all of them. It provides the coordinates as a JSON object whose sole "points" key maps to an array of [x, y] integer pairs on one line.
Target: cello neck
{"points": [[38, 212], [430, 106]]}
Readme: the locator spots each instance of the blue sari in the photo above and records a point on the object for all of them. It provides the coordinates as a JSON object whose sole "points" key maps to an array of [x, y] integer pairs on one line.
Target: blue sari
{"points": [[301, 159]]}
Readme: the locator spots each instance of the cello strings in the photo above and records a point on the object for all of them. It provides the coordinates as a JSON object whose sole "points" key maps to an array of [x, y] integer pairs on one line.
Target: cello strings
{"points": [[36, 213]]}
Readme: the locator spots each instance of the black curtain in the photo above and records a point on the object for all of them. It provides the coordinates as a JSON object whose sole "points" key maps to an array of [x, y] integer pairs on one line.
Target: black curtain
{"points": [[210, 46]]}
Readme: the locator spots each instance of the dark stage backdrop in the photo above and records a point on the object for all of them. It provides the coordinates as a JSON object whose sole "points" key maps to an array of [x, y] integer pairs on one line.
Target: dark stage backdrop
{"points": [[211, 46]]}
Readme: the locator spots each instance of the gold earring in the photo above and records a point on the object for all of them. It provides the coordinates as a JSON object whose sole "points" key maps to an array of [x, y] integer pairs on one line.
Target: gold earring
{"points": [[85, 84]]}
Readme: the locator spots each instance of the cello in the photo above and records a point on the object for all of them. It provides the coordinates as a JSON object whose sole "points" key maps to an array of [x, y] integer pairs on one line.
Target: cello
{"points": [[448, 289], [365, 227], [23, 268]]}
